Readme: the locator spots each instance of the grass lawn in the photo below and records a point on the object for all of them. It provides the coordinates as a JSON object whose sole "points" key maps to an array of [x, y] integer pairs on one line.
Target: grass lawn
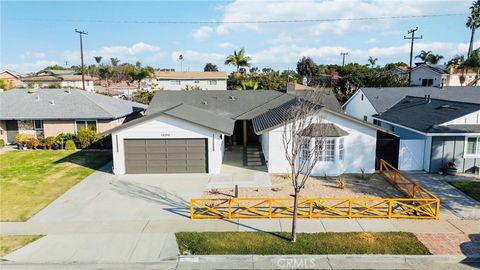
{"points": [[470, 188], [30, 180], [263, 243], [9, 243]]}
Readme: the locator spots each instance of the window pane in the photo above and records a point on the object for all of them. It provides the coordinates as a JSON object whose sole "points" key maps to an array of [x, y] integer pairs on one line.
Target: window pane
{"points": [[471, 146], [92, 125], [306, 149], [80, 125], [38, 124], [341, 149]]}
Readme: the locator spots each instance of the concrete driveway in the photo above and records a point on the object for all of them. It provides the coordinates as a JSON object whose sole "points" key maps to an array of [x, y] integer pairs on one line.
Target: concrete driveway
{"points": [[106, 197]]}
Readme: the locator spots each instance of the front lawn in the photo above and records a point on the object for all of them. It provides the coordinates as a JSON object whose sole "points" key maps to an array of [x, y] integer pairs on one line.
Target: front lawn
{"points": [[263, 243], [470, 188], [9, 243], [30, 180]]}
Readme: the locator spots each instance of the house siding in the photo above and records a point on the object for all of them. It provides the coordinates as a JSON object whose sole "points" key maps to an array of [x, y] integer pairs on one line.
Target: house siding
{"points": [[3, 131], [55, 127], [451, 148]]}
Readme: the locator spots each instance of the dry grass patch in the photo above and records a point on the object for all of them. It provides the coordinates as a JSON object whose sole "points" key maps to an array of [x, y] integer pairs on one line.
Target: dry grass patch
{"points": [[10, 243], [30, 180]]}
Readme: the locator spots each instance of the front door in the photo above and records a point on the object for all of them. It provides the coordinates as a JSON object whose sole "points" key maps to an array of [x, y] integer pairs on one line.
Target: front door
{"points": [[12, 131]]}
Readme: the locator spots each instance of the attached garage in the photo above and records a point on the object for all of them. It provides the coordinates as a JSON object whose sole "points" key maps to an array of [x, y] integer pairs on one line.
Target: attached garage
{"points": [[166, 156]]}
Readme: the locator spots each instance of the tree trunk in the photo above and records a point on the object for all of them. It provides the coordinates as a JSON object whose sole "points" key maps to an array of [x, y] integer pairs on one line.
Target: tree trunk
{"points": [[470, 48], [294, 220]]}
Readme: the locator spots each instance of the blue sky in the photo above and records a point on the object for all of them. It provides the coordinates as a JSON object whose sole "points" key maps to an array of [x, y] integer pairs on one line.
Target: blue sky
{"points": [[36, 34]]}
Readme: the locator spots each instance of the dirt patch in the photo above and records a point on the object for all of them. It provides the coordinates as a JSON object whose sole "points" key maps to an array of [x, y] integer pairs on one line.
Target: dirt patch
{"points": [[374, 185]]}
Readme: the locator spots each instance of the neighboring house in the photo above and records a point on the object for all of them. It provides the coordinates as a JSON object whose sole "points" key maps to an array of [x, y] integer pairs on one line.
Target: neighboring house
{"points": [[62, 78], [441, 76], [188, 132], [435, 131], [368, 101], [174, 80], [12, 78], [401, 71], [404, 152], [49, 112]]}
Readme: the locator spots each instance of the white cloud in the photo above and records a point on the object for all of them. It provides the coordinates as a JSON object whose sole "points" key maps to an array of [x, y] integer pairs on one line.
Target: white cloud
{"points": [[246, 10], [143, 52], [202, 33], [372, 40], [32, 55], [30, 66], [226, 45]]}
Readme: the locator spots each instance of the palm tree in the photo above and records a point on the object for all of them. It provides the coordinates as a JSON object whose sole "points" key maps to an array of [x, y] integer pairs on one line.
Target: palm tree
{"points": [[239, 59], [424, 55], [249, 85], [434, 58], [98, 59], [114, 61], [473, 22], [372, 61]]}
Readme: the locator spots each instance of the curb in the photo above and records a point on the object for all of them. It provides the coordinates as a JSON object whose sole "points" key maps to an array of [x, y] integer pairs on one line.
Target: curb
{"points": [[335, 258]]}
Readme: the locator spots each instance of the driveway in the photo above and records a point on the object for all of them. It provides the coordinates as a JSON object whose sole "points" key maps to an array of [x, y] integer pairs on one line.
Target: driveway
{"points": [[451, 198]]}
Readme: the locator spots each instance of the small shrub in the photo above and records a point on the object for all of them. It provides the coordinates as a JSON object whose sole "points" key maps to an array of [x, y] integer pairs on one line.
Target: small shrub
{"points": [[214, 191], [86, 137], [70, 145], [62, 138], [21, 138], [2, 142], [341, 182], [33, 143], [363, 173], [285, 176], [50, 141], [276, 189]]}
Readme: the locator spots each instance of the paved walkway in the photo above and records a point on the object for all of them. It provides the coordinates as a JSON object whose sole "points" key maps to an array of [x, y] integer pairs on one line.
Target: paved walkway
{"points": [[451, 243], [451, 198]]}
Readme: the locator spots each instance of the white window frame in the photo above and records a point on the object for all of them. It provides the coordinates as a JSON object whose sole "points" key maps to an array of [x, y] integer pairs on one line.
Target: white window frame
{"points": [[85, 122], [327, 154], [212, 82], [175, 82], [341, 149], [477, 145], [305, 149]]}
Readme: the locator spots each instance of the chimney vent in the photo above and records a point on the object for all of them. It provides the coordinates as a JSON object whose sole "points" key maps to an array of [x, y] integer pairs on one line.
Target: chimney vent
{"points": [[52, 102]]}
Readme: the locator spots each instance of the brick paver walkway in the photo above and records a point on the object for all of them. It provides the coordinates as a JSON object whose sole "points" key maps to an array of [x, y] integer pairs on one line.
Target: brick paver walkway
{"points": [[451, 243]]}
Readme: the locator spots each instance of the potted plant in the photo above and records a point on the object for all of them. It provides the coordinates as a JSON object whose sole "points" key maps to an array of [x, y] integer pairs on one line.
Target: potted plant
{"points": [[451, 168]]}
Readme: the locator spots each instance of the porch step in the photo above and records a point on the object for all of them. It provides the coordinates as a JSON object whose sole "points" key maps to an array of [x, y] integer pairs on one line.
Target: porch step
{"points": [[253, 157]]}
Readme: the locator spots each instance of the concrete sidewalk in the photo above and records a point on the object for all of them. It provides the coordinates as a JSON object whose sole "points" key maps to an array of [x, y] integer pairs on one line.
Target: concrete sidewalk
{"points": [[275, 262]]}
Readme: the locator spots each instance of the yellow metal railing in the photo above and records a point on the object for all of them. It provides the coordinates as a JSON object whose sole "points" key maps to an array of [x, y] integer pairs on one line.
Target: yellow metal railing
{"points": [[420, 204]]}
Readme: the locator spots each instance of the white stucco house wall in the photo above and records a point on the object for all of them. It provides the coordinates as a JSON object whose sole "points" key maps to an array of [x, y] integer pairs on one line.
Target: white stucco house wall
{"points": [[199, 136], [175, 80]]}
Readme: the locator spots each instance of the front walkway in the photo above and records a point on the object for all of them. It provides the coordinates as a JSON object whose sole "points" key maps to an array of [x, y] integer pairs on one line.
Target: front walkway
{"points": [[451, 198]]}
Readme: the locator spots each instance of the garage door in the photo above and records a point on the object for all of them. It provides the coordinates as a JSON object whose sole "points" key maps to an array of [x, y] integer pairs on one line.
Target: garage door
{"points": [[166, 156]]}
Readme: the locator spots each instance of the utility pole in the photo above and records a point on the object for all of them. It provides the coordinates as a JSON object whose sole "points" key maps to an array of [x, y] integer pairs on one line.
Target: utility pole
{"points": [[412, 38], [81, 55], [343, 54]]}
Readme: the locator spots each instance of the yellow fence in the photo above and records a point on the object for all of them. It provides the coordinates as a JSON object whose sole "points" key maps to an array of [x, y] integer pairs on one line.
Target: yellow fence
{"points": [[420, 204]]}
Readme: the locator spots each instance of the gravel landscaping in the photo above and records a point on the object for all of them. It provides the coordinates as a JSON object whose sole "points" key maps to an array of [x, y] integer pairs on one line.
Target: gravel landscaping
{"points": [[374, 185]]}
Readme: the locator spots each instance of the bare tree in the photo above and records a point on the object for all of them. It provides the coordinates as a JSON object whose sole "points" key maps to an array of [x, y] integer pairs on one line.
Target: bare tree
{"points": [[301, 124]]}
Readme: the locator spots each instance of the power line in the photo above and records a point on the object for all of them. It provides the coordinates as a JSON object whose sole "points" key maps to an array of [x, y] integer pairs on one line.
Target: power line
{"points": [[412, 38], [241, 22], [80, 32]]}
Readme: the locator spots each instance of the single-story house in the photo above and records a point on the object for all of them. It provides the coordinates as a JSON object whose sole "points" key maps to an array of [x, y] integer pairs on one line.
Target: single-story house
{"points": [[426, 74], [49, 112], [63, 78], [189, 131], [12, 79], [434, 132]]}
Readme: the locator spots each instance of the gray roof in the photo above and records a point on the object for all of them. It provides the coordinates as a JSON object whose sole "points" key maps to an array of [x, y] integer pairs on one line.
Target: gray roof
{"points": [[323, 130], [383, 99], [418, 114], [441, 69], [219, 109], [55, 104]]}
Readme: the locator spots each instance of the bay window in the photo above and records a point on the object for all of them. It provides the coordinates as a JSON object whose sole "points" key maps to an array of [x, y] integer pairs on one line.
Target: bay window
{"points": [[325, 149]]}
